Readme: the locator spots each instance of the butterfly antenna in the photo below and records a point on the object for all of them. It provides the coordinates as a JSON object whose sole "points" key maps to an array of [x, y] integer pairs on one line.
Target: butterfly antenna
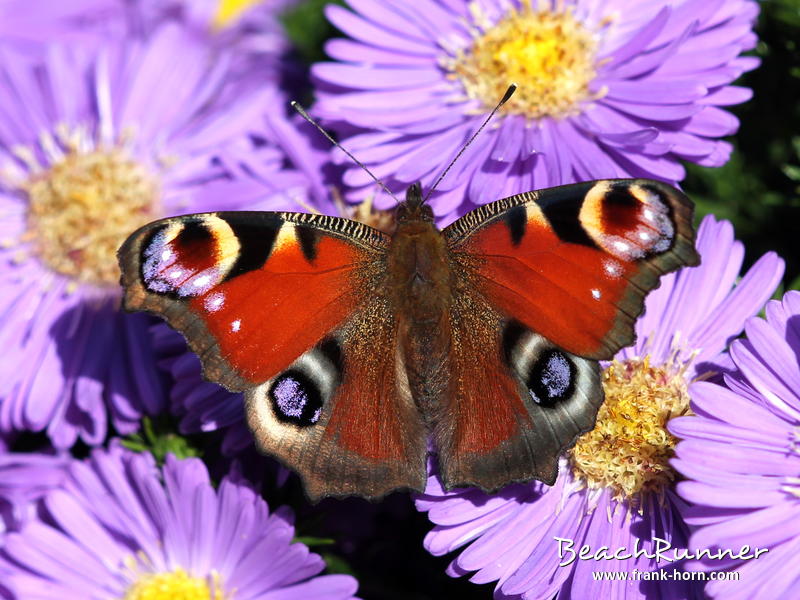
{"points": [[509, 92], [307, 117]]}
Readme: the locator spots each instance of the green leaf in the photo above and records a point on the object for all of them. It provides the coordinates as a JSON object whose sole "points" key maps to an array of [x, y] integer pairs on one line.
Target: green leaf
{"points": [[313, 542], [337, 564], [160, 439], [307, 28]]}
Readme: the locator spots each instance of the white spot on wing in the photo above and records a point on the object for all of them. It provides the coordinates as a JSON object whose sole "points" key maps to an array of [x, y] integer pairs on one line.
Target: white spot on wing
{"points": [[612, 268], [286, 236], [622, 246], [596, 294], [662, 245], [651, 198], [214, 302], [236, 325], [201, 281]]}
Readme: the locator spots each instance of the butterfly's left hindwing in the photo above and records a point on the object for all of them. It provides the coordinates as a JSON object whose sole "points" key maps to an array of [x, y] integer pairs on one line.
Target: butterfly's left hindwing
{"points": [[363, 434], [285, 307]]}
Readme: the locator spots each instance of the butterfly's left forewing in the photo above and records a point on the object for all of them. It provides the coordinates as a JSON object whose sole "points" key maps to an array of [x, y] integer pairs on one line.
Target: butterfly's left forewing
{"points": [[287, 307], [558, 278]]}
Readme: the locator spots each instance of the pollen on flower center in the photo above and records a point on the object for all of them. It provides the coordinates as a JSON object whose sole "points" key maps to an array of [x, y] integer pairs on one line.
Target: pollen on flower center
{"points": [[83, 207], [549, 55], [629, 448], [177, 585], [229, 11]]}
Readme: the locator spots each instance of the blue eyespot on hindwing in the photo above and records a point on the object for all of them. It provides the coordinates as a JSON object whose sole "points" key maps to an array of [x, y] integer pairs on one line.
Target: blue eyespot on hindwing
{"points": [[550, 374], [298, 395], [551, 378], [295, 398]]}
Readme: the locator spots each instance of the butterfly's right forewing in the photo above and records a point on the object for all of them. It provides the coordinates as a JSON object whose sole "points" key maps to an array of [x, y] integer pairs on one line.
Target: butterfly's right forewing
{"points": [[545, 284]]}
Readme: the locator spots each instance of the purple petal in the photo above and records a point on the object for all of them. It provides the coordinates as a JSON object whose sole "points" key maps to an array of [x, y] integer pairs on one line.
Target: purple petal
{"points": [[640, 40], [370, 33], [375, 78], [653, 91]]}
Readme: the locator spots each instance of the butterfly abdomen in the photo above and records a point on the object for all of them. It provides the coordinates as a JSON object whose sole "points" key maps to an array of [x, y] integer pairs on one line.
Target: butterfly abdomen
{"points": [[419, 277]]}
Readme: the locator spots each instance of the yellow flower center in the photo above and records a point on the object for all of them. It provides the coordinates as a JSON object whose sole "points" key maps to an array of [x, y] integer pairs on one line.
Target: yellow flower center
{"points": [[177, 585], [365, 212], [83, 207], [549, 55], [629, 448], [229, 11]]}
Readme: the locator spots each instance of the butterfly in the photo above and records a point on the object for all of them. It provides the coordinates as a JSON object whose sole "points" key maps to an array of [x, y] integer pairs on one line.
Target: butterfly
{"points": [[355, 348]]}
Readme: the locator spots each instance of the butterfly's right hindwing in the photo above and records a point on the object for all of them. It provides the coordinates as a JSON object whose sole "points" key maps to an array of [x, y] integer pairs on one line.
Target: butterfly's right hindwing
{"points": [[547, 283]]}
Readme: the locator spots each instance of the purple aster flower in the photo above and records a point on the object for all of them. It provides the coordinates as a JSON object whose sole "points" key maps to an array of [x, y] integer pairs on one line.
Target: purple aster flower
{"points": [[120, 527], [259, 17], [615, 488], [250, 29], [200, 405], [606, 89], [93, 144], [24, 479], [740, 451], [23, 21]]}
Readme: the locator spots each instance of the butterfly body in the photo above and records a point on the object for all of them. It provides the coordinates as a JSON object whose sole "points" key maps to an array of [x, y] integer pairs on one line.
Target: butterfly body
{"points": [[356, 349], [417, 262], [421, 284]]}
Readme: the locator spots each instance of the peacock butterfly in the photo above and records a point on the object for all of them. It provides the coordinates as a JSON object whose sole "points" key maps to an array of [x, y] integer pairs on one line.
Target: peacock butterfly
{"points": [[354, 347]]}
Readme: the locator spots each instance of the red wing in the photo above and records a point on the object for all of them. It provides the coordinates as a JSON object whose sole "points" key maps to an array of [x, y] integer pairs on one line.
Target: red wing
{"points": [[288, 307], [250, 291], [360, 431], [515, 401], [545, 282], [574, 263]]}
